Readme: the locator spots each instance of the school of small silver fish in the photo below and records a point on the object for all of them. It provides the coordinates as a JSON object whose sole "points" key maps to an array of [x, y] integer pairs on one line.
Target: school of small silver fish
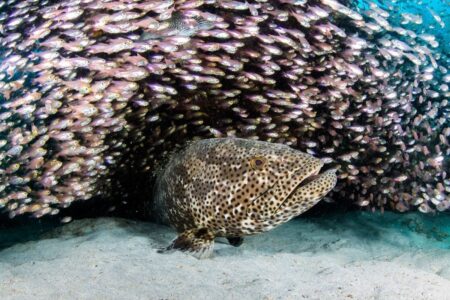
{"points": [[94, 93]]}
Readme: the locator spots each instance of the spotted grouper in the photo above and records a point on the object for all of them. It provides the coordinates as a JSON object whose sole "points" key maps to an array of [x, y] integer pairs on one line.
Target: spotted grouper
{"points": [[231, 187]]}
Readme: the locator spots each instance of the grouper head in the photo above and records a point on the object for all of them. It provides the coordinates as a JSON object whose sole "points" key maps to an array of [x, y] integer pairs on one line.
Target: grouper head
{"points": [[251, 186]]}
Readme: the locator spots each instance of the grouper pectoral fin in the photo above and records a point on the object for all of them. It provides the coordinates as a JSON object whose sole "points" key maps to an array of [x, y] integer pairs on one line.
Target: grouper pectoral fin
{"points": [[198, 242]]}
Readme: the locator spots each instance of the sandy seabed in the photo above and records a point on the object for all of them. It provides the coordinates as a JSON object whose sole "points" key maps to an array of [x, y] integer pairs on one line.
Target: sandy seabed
{"points": [[345, 258]]}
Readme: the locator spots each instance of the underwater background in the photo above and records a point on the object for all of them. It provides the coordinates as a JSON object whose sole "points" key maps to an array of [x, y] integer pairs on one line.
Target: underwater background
{"points": [[352, 229], [125, 194], [423, 9]]}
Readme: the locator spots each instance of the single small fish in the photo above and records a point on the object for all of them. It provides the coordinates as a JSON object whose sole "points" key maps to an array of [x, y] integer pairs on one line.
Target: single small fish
{"points": [[437, 18], [230, 187], [178, 26]]}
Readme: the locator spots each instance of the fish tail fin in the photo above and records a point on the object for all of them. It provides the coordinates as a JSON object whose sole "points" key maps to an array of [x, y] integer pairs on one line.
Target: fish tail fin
{"points": [[198, 242]]}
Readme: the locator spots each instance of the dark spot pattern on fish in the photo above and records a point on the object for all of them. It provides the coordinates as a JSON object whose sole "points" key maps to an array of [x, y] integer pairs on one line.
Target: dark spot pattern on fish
{"points": [[229, 187]]}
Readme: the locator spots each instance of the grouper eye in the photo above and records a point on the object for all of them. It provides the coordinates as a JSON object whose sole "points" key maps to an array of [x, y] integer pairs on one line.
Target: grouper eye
{"points": [[257, 162]]}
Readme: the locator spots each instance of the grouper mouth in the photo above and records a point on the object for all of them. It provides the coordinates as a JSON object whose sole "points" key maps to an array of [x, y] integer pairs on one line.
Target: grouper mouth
{"points": [[308, 179], [314, 175]]}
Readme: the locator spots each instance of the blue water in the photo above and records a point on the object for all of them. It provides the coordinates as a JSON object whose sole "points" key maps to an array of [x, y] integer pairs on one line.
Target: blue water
{"points": [[421, 8]]}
